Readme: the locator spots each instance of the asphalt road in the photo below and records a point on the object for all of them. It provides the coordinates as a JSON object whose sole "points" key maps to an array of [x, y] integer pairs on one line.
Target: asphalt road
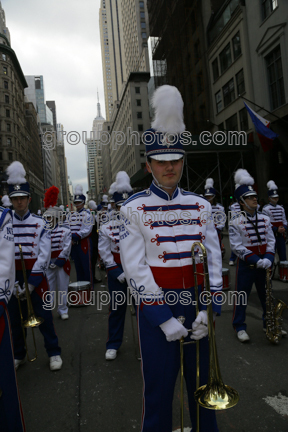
{"points": [[91, 394]]}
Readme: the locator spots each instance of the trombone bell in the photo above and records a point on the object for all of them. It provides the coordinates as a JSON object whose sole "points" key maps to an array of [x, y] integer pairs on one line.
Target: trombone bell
{"points": [[216, 397], [33, 321]]}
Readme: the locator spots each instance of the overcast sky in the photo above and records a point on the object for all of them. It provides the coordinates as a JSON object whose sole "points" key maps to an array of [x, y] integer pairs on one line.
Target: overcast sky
{"points": [[60, 40]]}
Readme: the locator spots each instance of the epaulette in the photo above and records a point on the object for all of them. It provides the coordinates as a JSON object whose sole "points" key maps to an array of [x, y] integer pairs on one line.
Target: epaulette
{"points": [[141, 194], [34, 215], [3, 213], [184, 192]]}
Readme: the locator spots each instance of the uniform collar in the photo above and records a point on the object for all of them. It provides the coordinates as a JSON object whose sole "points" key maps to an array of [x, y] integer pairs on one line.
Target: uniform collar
{"points": [[161, 193], [251, 215], [22, 218]]}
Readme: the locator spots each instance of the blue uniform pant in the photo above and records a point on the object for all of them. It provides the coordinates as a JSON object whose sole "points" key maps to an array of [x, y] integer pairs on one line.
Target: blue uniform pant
{"points": [[160, 367], [46, 328], [245, 277], [11, 416], [233, 256], [117, 312], [280, 247], [81, 254]]}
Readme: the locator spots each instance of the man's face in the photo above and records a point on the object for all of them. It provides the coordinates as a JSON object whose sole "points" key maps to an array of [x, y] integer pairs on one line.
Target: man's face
{"points": [[274, 200], [20, 203], [210, 198], [79, 205], [167, 173], [251, 201]]}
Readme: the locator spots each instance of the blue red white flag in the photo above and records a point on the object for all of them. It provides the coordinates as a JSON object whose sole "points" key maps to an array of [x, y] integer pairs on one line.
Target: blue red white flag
{"points": [[266, 136]]}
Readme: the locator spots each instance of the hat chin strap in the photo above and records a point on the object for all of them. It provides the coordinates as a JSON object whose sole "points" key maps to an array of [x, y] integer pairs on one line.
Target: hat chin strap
{"points": [[159, 184], [245, 203]]}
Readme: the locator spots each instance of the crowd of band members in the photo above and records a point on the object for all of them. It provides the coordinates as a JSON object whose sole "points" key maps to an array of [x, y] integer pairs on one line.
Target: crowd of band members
{"points": [[132, 254]]}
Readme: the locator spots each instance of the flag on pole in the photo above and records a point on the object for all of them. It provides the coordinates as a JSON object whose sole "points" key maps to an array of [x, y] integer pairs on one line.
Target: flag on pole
{"points": [[266, 135]]}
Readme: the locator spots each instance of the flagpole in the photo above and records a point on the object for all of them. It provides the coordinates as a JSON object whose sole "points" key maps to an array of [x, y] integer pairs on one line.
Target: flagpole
{"points": [[269, 112]]}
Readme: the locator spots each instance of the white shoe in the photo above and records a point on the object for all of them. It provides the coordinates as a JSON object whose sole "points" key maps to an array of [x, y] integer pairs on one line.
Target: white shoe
{"points": [[111, 354], [18, 362], [284, 333], [64, 316], [243, 336], [55, 363], [231, 263]]}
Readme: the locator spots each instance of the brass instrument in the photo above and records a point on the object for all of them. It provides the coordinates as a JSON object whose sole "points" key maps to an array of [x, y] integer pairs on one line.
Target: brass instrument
{"points": [[273, 313], [32, 321], [215, 394]]}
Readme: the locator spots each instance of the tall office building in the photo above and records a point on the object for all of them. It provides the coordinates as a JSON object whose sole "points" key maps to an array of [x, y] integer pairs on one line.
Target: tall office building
{"points": [[63, 186]]}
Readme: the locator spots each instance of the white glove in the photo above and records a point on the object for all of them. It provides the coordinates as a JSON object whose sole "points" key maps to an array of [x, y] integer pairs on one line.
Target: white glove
{"points": [[121, 278], [52, 266], [260, 264], [30, 287], [200, 326], [173, 329], [17, 290], [266, 263]]}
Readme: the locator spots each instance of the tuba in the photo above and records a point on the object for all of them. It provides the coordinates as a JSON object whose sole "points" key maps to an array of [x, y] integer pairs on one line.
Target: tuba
{"points": [[215, 394], [32, 321], [273, 313]]}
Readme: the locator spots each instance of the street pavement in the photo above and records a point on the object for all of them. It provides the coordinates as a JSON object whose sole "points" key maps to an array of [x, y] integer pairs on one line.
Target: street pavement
{"points": [[91, 394]]}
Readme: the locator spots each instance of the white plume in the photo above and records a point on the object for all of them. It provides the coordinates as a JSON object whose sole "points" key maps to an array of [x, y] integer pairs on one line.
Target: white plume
{"points": [[92, 205], [271, 185], [123, 182], [242, 177], [168, 104], [6, 201], [209, 183], [61, 207], [16, 173], [112, 188], [78, 190], [105, 198], [109, 206]]}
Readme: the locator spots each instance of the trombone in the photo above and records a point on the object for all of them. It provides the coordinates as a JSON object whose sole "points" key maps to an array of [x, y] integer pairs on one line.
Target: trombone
{"points": [[32, 321], [215, 394]]}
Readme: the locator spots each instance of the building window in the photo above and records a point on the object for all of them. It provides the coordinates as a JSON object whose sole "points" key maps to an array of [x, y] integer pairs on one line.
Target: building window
{"points": [[142, 14], [225, 58], [6, 85], [5, 70], [240, 82], [4, 57], [215, 69], [138, 102], [9, 142], [137, 90], [236, 45], [197, 52], [228, 92], [268, 6], [243, 114], [7, 113], [232, 123], [218, 99], [144, 35], [7, 100], [143, 25], [275, 78], [10, 156], [37, 83], [8, 127], [140, 128], [139, 115], [141, 4]]}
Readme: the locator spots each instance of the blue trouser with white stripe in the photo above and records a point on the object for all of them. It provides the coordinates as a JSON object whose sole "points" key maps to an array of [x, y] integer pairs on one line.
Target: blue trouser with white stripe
{"points": [[81, 253], [280, 247], [160, 367], [245, 277], [11, 416], [117, 310]]}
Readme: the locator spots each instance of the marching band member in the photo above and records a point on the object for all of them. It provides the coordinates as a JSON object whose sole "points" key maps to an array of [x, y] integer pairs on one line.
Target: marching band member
{"points": [[11, 415], [278, 219], [234, 208], [81, 238], [94, 237], [156, 258], [109, 251], [61, 241], [30, 231], [6, 201], [218, 211], [253, 242]]}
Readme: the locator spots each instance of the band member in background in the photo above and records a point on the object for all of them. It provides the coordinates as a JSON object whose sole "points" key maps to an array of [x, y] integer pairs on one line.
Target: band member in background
{"points": [[252, 240], [94, 237], [278, 219], [31, 233], [81, 225], [218, 211], [109, 250], [234, 208], [59, 268], [11, 415], [155, 246]]}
